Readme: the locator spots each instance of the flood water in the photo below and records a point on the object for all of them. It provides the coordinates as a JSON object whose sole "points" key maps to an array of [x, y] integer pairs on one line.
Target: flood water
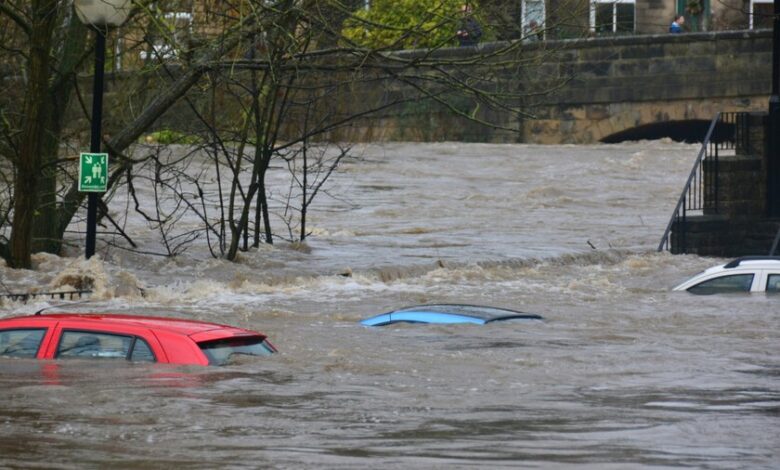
{"points": [[622, 373]]}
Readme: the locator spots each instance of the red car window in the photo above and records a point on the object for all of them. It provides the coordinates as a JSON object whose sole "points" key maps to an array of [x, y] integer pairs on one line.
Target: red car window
{"points": [[92, 344], [141, 352], [21, 342], [220, 352]]}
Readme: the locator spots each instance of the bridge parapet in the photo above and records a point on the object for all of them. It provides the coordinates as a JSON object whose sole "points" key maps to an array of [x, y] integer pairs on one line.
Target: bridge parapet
{"points": [[624, 83], [611, 85]]}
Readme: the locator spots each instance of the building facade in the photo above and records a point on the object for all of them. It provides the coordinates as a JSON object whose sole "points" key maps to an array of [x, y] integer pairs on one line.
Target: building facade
{"points": [[181, 24], [605, 17]]}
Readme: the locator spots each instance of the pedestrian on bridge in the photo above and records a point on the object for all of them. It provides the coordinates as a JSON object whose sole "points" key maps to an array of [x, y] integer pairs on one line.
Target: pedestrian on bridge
{"points": [[676, 26], [469, 32]]}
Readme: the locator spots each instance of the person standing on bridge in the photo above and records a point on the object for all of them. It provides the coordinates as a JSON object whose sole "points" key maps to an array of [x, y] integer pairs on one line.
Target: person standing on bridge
{"points": [[676, 26], [469, 32]]}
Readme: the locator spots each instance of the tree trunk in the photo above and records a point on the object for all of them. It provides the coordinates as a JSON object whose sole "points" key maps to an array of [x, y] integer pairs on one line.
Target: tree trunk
{"points": [[26, 178], [46, 236]]}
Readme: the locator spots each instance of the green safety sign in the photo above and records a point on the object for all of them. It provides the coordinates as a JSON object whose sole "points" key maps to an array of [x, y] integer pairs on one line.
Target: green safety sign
{"points": [[93, 172]]}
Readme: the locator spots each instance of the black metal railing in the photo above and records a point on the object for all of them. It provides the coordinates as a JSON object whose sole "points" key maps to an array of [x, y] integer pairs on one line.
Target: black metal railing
{"points": [[25, 296], [727, 132]]}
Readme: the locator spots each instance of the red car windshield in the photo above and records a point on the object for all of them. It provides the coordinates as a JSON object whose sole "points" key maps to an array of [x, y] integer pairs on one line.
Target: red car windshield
{"points": [[221, 351]]}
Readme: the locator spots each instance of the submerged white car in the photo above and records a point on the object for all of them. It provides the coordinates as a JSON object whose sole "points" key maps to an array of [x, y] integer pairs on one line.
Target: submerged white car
{"points": [[746, 274]]}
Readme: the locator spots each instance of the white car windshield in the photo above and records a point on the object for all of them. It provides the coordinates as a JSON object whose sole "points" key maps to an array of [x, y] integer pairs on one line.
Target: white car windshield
{"points": [[724, 284]]}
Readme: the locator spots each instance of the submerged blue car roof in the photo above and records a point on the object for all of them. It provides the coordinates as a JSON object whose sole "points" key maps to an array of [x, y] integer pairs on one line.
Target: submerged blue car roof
{"points": [[448, 313]]}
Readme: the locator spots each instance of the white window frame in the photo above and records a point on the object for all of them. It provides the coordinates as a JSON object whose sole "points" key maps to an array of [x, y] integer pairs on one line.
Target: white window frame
{"points": [[614, 3], [752, 10], [524, 20], [166, 51]]}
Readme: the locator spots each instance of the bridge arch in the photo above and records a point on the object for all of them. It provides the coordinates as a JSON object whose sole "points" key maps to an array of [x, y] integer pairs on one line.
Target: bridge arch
{"points": [[690, 130], [681, 120]]}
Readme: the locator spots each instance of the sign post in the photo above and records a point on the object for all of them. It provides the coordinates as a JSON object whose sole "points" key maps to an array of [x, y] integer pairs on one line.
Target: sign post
{"points": [[93, 179], [93, 174]]}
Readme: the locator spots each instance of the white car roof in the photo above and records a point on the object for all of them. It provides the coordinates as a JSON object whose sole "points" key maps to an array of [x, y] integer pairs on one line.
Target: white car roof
{"points": [[769, 261], [743, 264]]}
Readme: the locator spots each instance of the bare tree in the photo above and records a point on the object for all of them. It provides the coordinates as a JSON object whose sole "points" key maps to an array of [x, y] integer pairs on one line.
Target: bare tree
{"points": [[259, 82]]}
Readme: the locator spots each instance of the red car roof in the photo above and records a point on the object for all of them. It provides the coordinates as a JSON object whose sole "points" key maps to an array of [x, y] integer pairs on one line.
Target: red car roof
{"points": [[174, 325]]}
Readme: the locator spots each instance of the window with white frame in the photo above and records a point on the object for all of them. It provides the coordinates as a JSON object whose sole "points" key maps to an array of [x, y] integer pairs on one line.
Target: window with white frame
{"points": [[175, 28], [532, 19], [761, 13], [612, 16]]}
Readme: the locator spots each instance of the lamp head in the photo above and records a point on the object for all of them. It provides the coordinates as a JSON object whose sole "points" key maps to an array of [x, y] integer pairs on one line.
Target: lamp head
{"points": [[102, 13]]}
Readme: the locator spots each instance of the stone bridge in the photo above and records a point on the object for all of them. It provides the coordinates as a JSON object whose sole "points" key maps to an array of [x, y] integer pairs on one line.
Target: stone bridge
{"points": [[616, 88], [624, 88]]}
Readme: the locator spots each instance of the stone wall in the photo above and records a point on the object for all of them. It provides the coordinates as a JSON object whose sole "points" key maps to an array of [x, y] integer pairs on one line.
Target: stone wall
{"points": [[603, 86], [629, 82], [729, 238], [611, 85]]}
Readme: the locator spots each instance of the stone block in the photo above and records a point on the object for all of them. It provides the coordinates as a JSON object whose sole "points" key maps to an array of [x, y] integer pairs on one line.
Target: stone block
{"points": [[631, 68], [574, 114], [749, 46], [740, 186], [755, 143], [598, 54], [596, 69], [675, 50], [643, 52], [662, 67], [597, 112]]}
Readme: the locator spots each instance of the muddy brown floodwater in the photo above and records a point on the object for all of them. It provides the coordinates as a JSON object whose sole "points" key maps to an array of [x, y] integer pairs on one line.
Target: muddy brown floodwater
{"points": [[622, 373]]}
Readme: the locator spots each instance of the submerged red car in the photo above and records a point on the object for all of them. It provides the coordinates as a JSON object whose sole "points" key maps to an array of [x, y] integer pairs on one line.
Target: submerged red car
{"points": [[128, 337]]}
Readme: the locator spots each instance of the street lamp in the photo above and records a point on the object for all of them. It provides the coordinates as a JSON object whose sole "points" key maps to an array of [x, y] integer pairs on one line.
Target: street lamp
{"points": [[99, 15]]}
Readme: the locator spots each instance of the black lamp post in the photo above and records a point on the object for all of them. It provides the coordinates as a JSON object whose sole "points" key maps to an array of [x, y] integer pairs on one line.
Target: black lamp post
{"points": [[773, 127], [99, 15]]}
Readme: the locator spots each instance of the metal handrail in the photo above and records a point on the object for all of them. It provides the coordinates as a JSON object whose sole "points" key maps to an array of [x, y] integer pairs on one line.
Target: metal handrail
{"points": [[681, 202], [701, 191], [25, 296]]}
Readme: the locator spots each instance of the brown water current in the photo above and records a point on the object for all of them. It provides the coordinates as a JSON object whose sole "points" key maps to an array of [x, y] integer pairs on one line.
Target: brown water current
{"points": [[622, 373]]}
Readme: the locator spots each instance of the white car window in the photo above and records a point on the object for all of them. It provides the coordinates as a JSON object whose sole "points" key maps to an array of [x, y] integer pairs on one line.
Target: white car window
{"points": [[724, 284], [773, 283]]}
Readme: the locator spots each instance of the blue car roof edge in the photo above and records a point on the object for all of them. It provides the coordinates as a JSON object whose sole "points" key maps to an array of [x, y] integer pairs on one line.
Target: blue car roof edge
{"points": [[410, 317], [401, 314], [525, 316], [377, 320], [455, 305]]}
